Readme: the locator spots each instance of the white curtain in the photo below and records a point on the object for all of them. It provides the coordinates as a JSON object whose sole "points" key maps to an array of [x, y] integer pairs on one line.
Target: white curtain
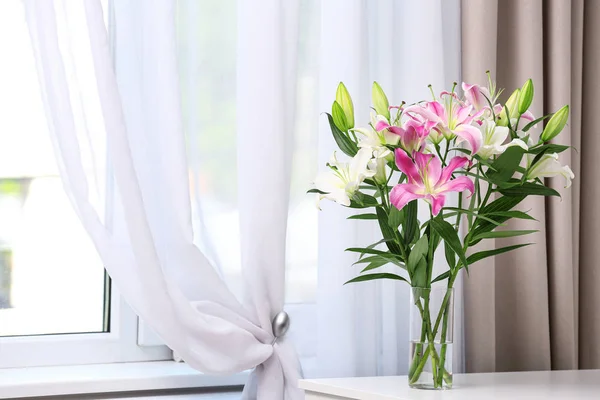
{"points": [[135, 168], [404, 45], [146, 237]]}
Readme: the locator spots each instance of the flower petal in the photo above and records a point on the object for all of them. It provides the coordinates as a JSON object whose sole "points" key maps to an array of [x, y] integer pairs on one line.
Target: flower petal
{"points": [[358, 168], [437, 109], [381, 125], [406, 165], [462, 114], [518, 142], [528, 116], [456, 162], [396, 130], [459, 184], [404, 193], [437, 202], [429, 113], [380, 122], [474, 95], [471, 134], [429, 166]]}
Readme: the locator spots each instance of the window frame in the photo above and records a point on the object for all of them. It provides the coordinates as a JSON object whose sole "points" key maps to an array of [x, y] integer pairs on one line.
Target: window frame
{"points": [[121, 344]]}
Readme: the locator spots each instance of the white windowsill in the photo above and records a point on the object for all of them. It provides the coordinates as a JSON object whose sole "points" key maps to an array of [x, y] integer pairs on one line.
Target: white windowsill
{"points": [[107, 378]]}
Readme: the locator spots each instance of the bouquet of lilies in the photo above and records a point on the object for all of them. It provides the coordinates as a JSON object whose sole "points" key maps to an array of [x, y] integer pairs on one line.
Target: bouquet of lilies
{"points": [[412, 156]]}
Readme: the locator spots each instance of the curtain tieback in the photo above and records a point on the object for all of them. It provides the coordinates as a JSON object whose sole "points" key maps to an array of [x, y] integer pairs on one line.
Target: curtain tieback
{"points": [[280, 325]]}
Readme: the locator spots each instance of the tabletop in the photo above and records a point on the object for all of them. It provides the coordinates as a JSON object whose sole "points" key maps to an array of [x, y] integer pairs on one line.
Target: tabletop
{"points": [[547, 385]]}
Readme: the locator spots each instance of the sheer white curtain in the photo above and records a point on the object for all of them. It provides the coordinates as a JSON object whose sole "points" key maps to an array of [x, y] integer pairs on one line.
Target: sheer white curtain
{"points": [[146, 237], [404, 45], [210, 135]]}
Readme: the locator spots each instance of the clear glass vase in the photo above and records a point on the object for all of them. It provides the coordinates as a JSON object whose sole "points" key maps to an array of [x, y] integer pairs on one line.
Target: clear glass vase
{"points": [[431, 336]]}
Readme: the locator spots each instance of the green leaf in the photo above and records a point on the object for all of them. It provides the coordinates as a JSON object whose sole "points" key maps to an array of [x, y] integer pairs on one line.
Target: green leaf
{"points": [[380, 101], [440, 277], [361, 200], [534, 122], [473, 258], [474, 214], [410, 224], [482, 177], [529, 189], [370, 277], [450, 256], [343, 98], [363, 216], [501, 204], [374, 264], [502, 234], [379, 242], [387, 232], [548, 148], [366, 250], [316, 191], [389, 258], [369, 259], [343, 141], [419, 276], [447, 232], [417, 253], [510, 183], [505, 165], [395, 218], [513, 214]]}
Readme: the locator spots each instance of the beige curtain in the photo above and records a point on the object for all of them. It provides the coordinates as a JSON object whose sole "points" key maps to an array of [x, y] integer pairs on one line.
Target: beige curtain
{"points": [[539, 308]]}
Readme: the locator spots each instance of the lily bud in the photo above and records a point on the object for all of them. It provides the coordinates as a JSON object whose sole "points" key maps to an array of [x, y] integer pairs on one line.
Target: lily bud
{"points": [[379, 166], [526, 96], [339, 118], [512, 106], [345, 101], [555, 125], [380, 101]]}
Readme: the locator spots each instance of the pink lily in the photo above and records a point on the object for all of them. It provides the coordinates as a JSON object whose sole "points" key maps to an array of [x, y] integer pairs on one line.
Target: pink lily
{"points": [[428, 180], [451, 119], [412, 134], [476, 96]]}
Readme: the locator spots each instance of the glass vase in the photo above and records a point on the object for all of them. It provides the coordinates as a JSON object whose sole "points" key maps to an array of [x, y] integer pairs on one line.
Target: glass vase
{"points": [[431, 336]]}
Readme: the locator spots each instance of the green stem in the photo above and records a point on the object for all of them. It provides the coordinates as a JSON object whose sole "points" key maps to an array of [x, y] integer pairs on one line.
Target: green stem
{"points": [[458, 214], [417, 354], [420, 366], [445, 310], [430, 347]]}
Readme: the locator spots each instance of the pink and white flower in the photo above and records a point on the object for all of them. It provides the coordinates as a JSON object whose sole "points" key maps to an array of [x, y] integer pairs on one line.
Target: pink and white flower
{"points": [[450, 119], [411, 135], [428, 180], [476, 96]]}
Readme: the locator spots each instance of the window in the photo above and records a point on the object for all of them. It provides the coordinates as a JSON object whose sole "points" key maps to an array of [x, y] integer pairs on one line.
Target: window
{"points": [[56, 301]]}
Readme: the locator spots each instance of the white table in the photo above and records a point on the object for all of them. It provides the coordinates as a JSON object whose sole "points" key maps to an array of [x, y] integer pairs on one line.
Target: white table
{"points": [[555, 385]]}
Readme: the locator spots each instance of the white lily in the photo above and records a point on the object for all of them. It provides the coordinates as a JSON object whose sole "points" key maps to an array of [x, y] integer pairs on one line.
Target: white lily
{"points": [[494, 137], [549, 166], [342, 181], [377, 140]]}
